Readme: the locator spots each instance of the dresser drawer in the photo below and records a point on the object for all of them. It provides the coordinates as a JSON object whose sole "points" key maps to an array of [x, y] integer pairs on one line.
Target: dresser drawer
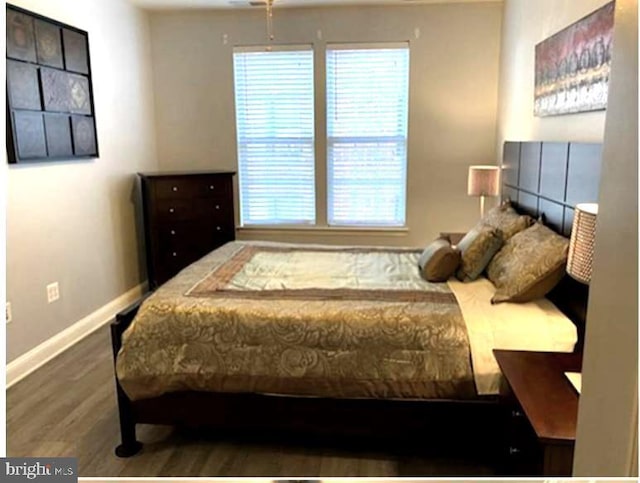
{"points": [[191, 187], [179, 253], [184, 255], [522, 460], [171, 263], [216, 210], [175, 210], [183, 235], [177, 257], [520, 451]]}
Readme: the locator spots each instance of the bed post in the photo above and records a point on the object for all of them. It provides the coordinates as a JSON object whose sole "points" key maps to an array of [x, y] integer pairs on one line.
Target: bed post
{"points": [[129, 446]]}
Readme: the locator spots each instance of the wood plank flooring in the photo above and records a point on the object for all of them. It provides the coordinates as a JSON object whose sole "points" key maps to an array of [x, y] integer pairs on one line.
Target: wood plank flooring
{"points": [[68, 408]]}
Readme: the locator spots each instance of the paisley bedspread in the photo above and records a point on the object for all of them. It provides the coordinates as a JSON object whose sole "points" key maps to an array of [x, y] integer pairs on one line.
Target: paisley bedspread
{"points": [[303, 320]]}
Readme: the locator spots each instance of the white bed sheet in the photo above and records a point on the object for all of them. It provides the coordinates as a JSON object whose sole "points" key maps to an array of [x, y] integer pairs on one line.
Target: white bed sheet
{"points": [[538, 326]]}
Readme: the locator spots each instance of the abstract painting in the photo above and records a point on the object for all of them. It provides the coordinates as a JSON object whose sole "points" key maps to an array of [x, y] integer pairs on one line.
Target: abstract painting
{"points": [[572, 66]]}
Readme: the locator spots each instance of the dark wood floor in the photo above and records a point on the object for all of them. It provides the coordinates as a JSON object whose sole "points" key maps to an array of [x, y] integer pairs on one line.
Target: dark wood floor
{"points": [[67, 408]]}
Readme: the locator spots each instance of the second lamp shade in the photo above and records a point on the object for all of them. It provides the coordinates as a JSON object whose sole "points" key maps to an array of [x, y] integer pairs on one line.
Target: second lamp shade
{"points": [[483, 181], [581, 245]]}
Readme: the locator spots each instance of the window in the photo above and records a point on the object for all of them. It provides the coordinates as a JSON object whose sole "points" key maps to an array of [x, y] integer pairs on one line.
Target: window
{"points": [[275, 130], [367, 90], [367, 99]]}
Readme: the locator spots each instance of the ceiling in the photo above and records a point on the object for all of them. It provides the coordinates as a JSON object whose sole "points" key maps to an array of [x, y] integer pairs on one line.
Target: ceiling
{"points": [[190, 4]]}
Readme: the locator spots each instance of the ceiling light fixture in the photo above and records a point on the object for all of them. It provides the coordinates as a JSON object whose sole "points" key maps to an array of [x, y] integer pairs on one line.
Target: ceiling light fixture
{"points": [[269, 4]]}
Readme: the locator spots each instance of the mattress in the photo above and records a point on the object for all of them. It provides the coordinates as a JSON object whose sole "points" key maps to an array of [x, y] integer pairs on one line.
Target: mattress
{"points": [[312, 320], [534, 326]]}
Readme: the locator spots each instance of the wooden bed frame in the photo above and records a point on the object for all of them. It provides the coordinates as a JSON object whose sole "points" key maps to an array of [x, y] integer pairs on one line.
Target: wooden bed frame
{"points": [[541, 179]]}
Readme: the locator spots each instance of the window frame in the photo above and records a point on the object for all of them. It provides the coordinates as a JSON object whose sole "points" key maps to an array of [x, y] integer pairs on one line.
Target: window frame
{"points": [[321, 149], [402, 138], [267, 49]]}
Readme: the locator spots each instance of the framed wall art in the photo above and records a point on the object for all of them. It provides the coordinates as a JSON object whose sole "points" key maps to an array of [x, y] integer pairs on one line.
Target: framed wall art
{"points": [[572, 67], [50, 111]]}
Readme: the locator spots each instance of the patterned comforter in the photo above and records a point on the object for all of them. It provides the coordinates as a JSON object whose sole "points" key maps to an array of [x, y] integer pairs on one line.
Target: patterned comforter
{"points": [[344, 322]]}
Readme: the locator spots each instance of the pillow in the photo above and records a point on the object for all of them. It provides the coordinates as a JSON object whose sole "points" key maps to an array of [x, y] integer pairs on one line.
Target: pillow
{"points": [[507, 219], [477, 248], [439, 261], [529, 265]]}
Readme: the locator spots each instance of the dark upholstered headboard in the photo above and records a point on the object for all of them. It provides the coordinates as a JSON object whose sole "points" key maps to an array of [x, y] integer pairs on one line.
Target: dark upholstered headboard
{"points": [[549, 179]]}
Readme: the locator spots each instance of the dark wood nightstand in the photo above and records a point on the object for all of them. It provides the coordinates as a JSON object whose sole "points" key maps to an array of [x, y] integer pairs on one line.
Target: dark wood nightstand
{"points": [[540, 428], [454, 237]]}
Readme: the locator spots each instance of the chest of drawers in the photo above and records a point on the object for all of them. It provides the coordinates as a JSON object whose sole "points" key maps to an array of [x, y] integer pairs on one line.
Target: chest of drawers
{"points": [[186, 215]]}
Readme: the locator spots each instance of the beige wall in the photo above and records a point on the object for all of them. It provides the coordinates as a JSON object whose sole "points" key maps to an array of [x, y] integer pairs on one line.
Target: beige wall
{"points": [[608, 416], [73, 222], [525, 23], [453, 97]]}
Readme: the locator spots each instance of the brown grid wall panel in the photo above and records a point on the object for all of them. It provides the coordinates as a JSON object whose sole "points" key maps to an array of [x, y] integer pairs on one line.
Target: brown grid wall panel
{"points": [[50, 108]]}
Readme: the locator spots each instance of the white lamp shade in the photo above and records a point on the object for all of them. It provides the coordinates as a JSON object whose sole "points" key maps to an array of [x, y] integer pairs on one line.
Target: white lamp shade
{"points": [[581, 245], [483, 181]]}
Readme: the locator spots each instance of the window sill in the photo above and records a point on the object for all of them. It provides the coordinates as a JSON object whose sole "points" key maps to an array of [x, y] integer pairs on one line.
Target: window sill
{"points": [[326, 230]]}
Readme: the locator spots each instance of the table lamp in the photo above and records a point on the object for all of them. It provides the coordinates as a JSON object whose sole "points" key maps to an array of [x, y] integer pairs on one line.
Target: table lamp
{"points": [[483, 181], [581, 244], [580, 261]]}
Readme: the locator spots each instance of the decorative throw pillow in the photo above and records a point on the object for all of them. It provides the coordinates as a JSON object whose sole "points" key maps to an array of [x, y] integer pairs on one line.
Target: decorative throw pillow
{"points": [[529, 265], [507, 219], [439, 261], [477, 248]]}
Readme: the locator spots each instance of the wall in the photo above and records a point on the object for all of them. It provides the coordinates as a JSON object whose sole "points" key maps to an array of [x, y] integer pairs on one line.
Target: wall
{"points": [[452, 112], [608, 416], [526, 23], [73, 222]]}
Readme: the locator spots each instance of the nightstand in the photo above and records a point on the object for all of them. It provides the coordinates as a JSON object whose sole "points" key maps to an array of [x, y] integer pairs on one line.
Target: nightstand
{"points": [[454, 237], [540, 428]]}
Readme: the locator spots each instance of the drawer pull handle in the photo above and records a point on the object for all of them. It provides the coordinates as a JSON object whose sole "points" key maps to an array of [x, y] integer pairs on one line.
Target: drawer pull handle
{"points": [[513, 450], [171, 210], [174, 254], [211, 187], [218, 228], [516, 413], [175, 188], [173, 232], [217, 207]]}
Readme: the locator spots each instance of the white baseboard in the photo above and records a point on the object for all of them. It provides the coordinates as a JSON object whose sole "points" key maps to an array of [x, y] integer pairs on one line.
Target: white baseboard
{"points": [[30, 361]]}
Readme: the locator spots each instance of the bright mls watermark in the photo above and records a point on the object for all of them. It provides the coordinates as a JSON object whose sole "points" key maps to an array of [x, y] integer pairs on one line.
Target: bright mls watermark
{"points": [[44, 470]]}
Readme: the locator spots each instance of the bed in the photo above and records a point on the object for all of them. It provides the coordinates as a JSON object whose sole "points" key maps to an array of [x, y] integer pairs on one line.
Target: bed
{"points": [[327, 339]]}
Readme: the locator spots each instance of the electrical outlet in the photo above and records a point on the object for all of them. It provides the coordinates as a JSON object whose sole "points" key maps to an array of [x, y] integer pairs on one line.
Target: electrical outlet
{"points": [[9, 316], [53, 292]]}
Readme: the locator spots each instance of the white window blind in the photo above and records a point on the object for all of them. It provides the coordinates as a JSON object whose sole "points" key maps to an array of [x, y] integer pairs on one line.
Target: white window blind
{"points": [[275, 130], [367, 103]]}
